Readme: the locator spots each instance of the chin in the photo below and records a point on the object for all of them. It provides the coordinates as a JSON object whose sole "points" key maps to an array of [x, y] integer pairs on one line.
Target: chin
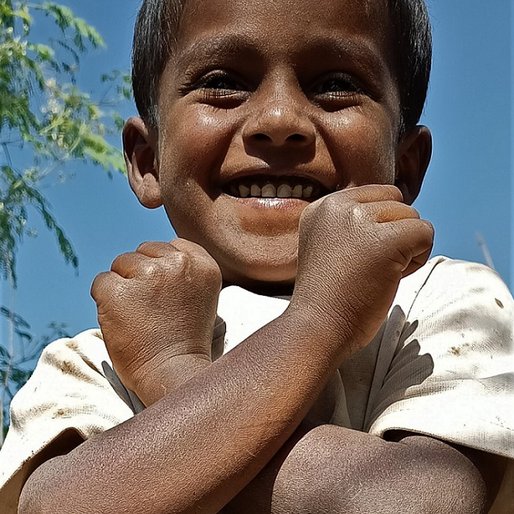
{"points": [[264, 277]]}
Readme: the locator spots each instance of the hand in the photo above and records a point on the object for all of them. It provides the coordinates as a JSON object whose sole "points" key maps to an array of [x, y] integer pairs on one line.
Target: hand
{"points": [[355, 246], [156, 304]]}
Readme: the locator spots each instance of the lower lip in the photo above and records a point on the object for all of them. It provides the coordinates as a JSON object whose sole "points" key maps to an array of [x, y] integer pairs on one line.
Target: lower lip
{"points": [[271, 203], [269, 217]]}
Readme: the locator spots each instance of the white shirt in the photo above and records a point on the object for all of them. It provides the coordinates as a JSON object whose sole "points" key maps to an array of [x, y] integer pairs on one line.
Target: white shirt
{"points": [[441, 365]]}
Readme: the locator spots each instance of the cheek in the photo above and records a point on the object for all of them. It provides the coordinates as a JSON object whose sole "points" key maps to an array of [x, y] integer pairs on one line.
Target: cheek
{"points": [[364, 148], [195, 146]]}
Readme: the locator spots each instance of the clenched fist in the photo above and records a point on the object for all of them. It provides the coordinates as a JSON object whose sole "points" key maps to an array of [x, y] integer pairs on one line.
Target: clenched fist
{"points": [[156, 304], [355, 246]]}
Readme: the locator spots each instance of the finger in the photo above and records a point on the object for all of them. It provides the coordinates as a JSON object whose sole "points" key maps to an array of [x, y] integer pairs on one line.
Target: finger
{"points": [[386, 211], [209, 267], [102, 284], [371, 193], [184, 245], [413, 240], [417, 262], [193, 249], [129, 265], [162, 249], [155, 249]]}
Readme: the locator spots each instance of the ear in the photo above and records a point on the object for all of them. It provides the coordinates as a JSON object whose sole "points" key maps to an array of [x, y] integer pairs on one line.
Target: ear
{"points": [[139, 146], [413, 157]]}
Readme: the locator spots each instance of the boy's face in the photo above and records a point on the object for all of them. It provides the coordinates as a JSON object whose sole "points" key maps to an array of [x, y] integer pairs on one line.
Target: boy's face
{"points": [[276, 100]]}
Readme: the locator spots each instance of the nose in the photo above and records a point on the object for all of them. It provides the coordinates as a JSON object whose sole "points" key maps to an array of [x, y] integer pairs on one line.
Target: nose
{"points": [[280, 121]]}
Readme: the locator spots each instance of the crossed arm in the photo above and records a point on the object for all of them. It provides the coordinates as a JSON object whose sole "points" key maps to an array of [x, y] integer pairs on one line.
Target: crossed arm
{"points": [[229, 435], [225, 439], [336, 470]]}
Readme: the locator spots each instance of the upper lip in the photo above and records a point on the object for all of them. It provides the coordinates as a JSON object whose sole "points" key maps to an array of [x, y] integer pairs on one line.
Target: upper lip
{"points": [[327, 180]]}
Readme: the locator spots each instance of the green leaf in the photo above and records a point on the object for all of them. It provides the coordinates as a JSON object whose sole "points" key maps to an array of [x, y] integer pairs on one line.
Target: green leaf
{"points": [[47, 121]]}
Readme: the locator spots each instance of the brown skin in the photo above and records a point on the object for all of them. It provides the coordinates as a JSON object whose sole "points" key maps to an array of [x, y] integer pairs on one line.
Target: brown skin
{"points": [[173, 278], [311, 104], [284, 104]]}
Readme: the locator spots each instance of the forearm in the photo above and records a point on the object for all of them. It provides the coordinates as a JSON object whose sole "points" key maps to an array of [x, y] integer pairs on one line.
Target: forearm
{"points": [[199, 446], [170, 376], [332, 469]]}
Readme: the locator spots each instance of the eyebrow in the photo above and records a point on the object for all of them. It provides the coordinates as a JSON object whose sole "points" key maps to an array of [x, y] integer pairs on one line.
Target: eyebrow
{"points": [[348, 49], [216, 46], [352, 49]]}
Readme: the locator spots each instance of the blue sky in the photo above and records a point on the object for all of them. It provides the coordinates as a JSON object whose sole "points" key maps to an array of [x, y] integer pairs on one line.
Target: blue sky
{"points": [[468, 187]]}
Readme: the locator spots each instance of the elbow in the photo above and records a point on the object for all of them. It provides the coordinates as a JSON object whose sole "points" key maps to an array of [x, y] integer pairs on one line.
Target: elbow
{"points": [[36, 495], [425, 497], [28, 502], [367, 474], [31, 497]]}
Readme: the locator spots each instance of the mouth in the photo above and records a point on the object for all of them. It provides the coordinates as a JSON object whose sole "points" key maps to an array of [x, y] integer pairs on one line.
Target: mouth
{"points": [[275, 187]]}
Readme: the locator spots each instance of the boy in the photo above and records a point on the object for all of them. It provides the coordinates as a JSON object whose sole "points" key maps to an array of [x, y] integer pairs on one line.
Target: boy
{"points": [[281, 139]]}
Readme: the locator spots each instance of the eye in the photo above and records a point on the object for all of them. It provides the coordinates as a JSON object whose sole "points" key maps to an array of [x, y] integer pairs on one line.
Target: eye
{"points": [[337, 85], [221, 81], [219, 88]]}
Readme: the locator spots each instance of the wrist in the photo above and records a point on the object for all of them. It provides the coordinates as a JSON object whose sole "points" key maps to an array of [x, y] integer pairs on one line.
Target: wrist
{"points": [[332, 321], [156, 383], [319, 324]]}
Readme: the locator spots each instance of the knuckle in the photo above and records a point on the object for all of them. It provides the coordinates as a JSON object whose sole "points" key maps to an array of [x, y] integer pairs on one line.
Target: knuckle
{"points": [[213, 273], [357, 211], [182, 244], [414, 213], [177, 263], [155, 248], [152, 268], [180, 259], [362, 193], [117, 262], [143, 246], [429, 227], [395, 192], [326, 209], [106, 288], [193, 262], [193, 250], [186, 246], [98, 285], [331, 202], [208, 264], [391, 192], [307, 214]]}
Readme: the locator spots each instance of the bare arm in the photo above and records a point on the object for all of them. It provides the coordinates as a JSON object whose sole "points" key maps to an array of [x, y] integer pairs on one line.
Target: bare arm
{"points": [[200, 445], [327, 469], [332, 469]]}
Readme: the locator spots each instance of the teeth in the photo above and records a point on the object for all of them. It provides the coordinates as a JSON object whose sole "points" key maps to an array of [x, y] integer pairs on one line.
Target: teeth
{"points": [[307, 191], [284, 191], [297, 191], [269, 191], [244, 191]]}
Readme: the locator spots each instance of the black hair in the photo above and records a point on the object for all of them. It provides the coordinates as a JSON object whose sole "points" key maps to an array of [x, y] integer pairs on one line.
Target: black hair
{"points": [[156, 30], [413, 51]]}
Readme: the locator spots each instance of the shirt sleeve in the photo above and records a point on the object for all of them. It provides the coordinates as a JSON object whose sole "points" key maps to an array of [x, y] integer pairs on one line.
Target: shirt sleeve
{"points": [[450, 367], [67, 398], [451, 375]]}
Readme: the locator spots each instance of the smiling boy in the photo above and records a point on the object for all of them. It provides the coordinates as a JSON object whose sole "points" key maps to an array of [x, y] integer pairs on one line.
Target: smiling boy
{"points": [[281, 139]]}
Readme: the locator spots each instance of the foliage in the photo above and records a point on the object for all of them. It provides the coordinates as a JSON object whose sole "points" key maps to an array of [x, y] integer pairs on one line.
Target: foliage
{"points": [[45, 119], [17, 361]]}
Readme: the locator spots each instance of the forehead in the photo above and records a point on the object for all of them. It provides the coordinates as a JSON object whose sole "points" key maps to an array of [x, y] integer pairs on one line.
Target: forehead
{"points": [[283, 26]]}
